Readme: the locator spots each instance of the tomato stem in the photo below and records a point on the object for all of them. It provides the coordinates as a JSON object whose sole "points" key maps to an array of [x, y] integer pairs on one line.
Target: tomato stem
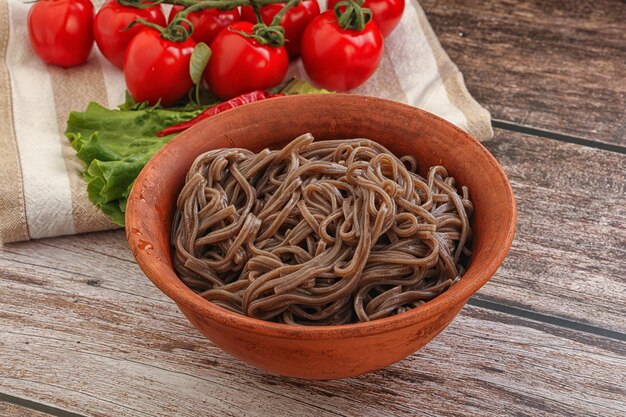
{"points": [[181, 28], [281, 13], [257, 12], [199, 5], [353, 16], [140, 21], [272, 34], [141, 4]]}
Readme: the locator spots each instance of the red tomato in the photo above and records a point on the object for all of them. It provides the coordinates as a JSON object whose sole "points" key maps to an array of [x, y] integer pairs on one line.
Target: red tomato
{"points": [[294, 21], [240, 64], [208, 22], [60, 31], [112, 19], [339, 59], [156, 68], [387, 13]]}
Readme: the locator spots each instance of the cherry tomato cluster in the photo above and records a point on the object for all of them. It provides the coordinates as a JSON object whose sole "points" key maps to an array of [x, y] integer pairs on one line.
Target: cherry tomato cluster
{"points": [[229, 46]]}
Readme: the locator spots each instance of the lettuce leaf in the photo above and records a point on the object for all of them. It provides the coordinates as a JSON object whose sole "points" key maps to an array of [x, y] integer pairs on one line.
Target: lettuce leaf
{"points": [[114, 145], [297, 86]]}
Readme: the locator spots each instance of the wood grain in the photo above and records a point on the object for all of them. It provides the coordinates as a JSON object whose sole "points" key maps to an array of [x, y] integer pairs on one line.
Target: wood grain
{"points": [[99, 351], [8, 409], [84, 330], [555, 64], [569, 254]]}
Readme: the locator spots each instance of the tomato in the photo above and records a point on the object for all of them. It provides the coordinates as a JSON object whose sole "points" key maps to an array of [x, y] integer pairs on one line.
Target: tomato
{"points": [[294, 21], [340, 59], [386, 13], [112, 19], [240, 64], [61, 31], [208, 22], [156, 68]]}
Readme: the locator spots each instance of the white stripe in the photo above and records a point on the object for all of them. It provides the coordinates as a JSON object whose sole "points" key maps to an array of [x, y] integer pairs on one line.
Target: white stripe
{"points": [[46, 184], [416, 68], [113, 81]]}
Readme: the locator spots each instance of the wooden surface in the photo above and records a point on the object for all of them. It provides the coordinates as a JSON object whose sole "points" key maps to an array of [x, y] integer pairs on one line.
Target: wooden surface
{"points": [[569, 253], [557, 65], [112, 344], [10, 409], [84, 333]]}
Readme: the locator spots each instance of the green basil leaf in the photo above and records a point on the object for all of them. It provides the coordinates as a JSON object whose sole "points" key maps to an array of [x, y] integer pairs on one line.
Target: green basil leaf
{"points": [[199, 58]]}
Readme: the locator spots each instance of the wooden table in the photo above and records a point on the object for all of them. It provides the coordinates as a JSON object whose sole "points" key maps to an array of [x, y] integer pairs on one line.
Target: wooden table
{"points": [[83, 332]]}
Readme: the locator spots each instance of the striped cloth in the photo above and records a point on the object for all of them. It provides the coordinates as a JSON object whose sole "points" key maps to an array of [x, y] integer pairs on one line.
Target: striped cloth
{"points": [[42, 193]]}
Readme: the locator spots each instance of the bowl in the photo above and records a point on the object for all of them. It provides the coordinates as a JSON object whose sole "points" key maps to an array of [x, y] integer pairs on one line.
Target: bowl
{"points": [[324, 352]]}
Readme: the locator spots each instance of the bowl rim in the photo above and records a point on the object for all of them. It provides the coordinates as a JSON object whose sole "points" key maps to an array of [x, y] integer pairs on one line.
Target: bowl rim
{"points": [[169, 283]]}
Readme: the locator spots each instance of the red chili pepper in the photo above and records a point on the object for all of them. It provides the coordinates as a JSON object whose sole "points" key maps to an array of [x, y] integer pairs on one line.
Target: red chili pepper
{"points": [[212, 111]]}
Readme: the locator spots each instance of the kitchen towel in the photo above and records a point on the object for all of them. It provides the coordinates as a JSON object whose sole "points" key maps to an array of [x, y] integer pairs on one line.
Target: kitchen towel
{"points": [[42, 193]]}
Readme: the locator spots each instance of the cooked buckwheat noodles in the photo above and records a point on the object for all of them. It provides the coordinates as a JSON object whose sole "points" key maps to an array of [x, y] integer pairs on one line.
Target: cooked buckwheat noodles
{"points": [[319, 233]]}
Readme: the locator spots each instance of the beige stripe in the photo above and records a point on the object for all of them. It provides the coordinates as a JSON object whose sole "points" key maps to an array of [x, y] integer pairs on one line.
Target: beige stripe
{"points": [[384, 82], [73, 89], [13, 224], [478, 118]]}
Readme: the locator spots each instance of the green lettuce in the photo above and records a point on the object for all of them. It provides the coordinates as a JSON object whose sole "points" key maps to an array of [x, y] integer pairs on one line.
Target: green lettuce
{"points": [[114, 145], [297, 86]]}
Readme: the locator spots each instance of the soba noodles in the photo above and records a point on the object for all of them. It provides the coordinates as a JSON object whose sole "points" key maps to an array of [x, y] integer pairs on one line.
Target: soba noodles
{"points": [[319, 233]]}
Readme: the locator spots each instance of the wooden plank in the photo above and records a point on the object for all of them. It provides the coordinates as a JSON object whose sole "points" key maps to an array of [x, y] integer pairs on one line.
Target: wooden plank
{"points": [[569, 254], [99, 351], [8, 409], [555, 64]]}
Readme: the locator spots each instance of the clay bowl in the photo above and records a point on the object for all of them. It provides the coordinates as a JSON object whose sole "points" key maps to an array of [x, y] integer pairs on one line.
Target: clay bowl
{"points": [[330, 351]]}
